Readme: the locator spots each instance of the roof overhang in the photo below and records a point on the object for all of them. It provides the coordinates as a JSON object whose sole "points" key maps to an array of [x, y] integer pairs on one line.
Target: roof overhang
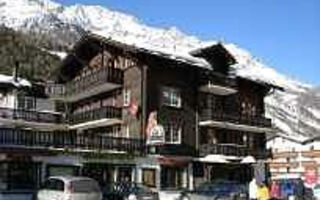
{"points": [[96, 123], [217, 89], [232, 126]]}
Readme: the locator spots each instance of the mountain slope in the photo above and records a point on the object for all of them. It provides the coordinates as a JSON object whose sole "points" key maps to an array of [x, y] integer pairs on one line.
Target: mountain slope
{"points": [[292, 111], [35, 63]]}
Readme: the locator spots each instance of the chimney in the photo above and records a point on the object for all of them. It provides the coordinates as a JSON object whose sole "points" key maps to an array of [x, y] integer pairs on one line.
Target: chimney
{"points": [[16, 71]]}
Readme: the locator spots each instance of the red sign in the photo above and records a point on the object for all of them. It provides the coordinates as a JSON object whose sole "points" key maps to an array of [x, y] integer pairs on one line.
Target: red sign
{"points": [[311, 177], [172, 162]]}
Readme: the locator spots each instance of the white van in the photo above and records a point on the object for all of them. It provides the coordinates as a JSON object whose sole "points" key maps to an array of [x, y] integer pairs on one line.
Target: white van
{"points": [[70, 188]]}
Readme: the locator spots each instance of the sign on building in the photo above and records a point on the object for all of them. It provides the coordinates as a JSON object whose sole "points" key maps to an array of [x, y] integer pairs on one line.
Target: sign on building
{"points": [[155, 132]]}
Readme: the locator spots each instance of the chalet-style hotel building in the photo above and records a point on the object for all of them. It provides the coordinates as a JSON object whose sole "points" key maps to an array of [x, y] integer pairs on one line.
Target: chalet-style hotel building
{"points": [[119, 112]]}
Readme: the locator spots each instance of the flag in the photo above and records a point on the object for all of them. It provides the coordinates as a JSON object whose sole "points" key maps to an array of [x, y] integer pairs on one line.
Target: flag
{"points": [[133, 108]]}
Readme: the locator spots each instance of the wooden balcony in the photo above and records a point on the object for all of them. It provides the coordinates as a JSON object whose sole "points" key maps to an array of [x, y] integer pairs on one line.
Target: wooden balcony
{"points": [[107, 112], [9, 114], [232, 150], [94, 82], [235, 121], [14, 140], [216, 83]]}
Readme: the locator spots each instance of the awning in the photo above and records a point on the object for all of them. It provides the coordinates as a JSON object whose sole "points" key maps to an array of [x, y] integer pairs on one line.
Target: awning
{"points": [[174, 162], [213, 159], [232, 126], [248, 160]]}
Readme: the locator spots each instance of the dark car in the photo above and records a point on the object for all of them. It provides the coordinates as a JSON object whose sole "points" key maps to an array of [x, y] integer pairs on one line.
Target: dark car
{"points": [[223, 190], [128, 191]]}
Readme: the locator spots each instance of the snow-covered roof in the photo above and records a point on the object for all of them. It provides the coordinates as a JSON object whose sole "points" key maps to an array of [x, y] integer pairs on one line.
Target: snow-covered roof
{"points": [[203, 46], [174, 53], [5, 79]]}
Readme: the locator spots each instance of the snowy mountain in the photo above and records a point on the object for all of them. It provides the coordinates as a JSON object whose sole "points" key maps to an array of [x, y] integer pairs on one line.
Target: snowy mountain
{"points": [[294, 112]]}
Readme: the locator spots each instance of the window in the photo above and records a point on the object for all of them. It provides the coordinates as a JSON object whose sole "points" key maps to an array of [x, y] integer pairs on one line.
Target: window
{"points": [[54, 184], [124, 174], [149, 177], [85, 186], [127, 131], [172, 134], [26, 103], [126, 97], [60, 170], [171, 178], [171, 97]]}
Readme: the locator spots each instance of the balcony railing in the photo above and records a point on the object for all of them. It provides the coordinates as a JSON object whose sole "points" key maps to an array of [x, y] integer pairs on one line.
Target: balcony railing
{"points": [[13, 138], [223, 149], [30, 115], [236, 118], [210, 80], [96, 114], [232, 150], [94, 79]]}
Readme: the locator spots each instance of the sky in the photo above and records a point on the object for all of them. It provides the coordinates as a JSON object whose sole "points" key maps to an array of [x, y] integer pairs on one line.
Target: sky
{"points": [[284, 34]]}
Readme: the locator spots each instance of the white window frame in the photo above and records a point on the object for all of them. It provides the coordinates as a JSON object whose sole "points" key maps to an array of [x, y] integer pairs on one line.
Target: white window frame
{"points": [[172, 94], [126, 97], [171, 132], [127, 129]]}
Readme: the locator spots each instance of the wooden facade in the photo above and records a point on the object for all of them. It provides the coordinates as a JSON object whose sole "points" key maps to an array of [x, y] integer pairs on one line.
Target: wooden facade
{"points": [[108, 90]]}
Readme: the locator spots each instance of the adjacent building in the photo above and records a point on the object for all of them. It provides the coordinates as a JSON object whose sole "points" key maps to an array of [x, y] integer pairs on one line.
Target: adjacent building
{"points": [[295, 158]]}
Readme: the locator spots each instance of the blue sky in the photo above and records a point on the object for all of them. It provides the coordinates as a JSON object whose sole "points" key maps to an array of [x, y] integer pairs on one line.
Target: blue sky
{"points": [[283, 33]]}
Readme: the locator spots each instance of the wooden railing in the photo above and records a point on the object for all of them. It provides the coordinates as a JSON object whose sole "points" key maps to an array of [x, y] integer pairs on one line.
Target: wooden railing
{"points": [[82, 83], [232, 150], [216, 78], [261, 121], [96, 114], [30, 115], [10, 138], [94, 79]]}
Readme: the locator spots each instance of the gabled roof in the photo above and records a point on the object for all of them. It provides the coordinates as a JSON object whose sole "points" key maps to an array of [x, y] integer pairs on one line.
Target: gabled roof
{"points": [[212, 48]]}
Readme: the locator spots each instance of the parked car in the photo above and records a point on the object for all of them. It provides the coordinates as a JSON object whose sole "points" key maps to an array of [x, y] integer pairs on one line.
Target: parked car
{"points": [[69, 188], [222, 190], [128, 191]]}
